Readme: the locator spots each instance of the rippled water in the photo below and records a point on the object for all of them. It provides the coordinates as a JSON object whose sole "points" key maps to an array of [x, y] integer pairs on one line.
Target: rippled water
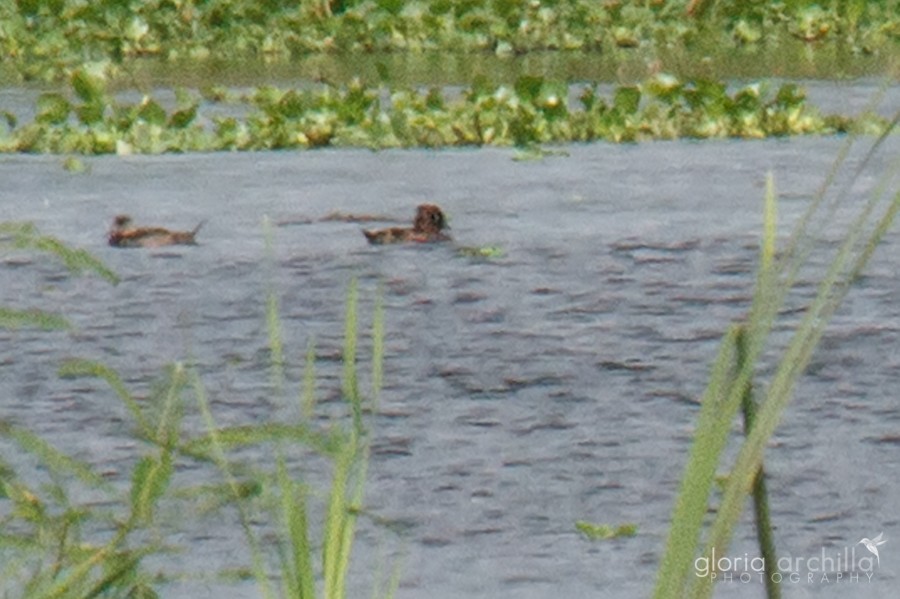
{"points": [[556, 383]]}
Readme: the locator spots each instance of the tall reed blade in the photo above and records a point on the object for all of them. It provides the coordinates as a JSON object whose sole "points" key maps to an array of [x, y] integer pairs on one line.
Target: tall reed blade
{"points": [[831, 292], [729, 381], [273, 318], [350, 383], [377, 346], [717, 410]]}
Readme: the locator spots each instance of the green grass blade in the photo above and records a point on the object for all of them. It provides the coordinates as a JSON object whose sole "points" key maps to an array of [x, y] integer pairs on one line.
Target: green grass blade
{"points": [[717, 410], [124, 565], [325, 443], [80, 573], [339, 524], [349, 383], [221, 460], [377, 346], [19, 319], [831, 293], [149, 482], [50, 457], [302, 578], [729, 380], [308, 396], [273, 320], [25, 236], [89, 368], [168, 426], [764, 532]]}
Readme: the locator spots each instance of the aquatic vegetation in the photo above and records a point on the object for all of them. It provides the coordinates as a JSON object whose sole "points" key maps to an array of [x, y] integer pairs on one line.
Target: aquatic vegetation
{"points": [[602, 532], [731, 383], [91, 121], [42, 40], [532, 112], [483, 252]]}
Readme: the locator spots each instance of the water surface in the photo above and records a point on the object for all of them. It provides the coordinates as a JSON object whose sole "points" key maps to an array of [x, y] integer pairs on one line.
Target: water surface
{"points": [[556, 383]]}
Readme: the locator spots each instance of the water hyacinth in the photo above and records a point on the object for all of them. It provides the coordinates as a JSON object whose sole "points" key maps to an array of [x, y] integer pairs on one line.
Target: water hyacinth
{"points": [[534, 111], [42, 40]]}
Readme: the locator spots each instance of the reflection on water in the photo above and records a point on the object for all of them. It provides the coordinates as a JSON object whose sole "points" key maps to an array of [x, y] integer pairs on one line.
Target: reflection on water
{"points": [[523, 393], [790, 61]]}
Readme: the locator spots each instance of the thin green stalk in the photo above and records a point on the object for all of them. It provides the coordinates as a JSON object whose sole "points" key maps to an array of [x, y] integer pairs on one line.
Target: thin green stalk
{"points": [[273, 320], [800, 243], [764, 533], [377, 346], [77, 575], [350, 383], [80, 367], [308, 397], [717, 408], [51, 458], [719, 405], [339, 522], [218, 454], [299, 574], [831, 292]]}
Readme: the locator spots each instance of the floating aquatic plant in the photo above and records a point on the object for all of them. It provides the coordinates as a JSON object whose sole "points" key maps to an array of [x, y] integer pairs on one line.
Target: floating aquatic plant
{"points": [[484, 251], [599, 532], [532, 112], [42, 40]]}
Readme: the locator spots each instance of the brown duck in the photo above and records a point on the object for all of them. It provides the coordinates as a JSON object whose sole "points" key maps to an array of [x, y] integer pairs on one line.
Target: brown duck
{"points": [[123, 234], [427, 228]]}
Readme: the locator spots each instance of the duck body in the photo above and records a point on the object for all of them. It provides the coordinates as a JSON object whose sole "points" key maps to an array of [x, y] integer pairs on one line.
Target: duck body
{"points": [[124, 235], [427, 227]]}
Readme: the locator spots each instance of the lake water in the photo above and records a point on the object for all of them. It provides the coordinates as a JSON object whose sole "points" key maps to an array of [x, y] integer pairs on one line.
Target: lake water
{"points": [[556, 383]]}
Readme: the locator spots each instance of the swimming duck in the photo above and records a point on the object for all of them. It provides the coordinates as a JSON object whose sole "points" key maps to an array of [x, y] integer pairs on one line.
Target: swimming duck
{"points": [[123, 235], [427, 227]]}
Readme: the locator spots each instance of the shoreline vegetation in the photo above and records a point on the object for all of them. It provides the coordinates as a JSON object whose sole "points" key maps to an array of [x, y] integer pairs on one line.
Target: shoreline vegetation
{"points": [[372, 73], [43, 40]]}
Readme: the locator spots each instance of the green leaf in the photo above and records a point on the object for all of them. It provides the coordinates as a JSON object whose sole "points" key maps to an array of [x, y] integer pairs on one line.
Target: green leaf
{"points": [[89, 85], [596, 532], [152, 113], [149, 482], [528, 87], [25, 236], [184, 117], [91, 113], [627, 99], [83, 368], [17, 319], [52, 109], [51, 458]]}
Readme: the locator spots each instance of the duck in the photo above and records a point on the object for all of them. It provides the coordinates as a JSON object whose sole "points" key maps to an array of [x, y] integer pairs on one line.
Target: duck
{"points": [[123, 234], [427, 228]]}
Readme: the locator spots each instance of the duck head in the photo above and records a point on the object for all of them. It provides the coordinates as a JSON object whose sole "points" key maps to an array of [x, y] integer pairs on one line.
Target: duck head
{"points": [[121, 221], [429, 219]]}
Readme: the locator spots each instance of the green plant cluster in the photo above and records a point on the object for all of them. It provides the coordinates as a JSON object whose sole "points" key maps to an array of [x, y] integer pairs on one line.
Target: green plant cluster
{"points": [[531, 112], [39, 39]]}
